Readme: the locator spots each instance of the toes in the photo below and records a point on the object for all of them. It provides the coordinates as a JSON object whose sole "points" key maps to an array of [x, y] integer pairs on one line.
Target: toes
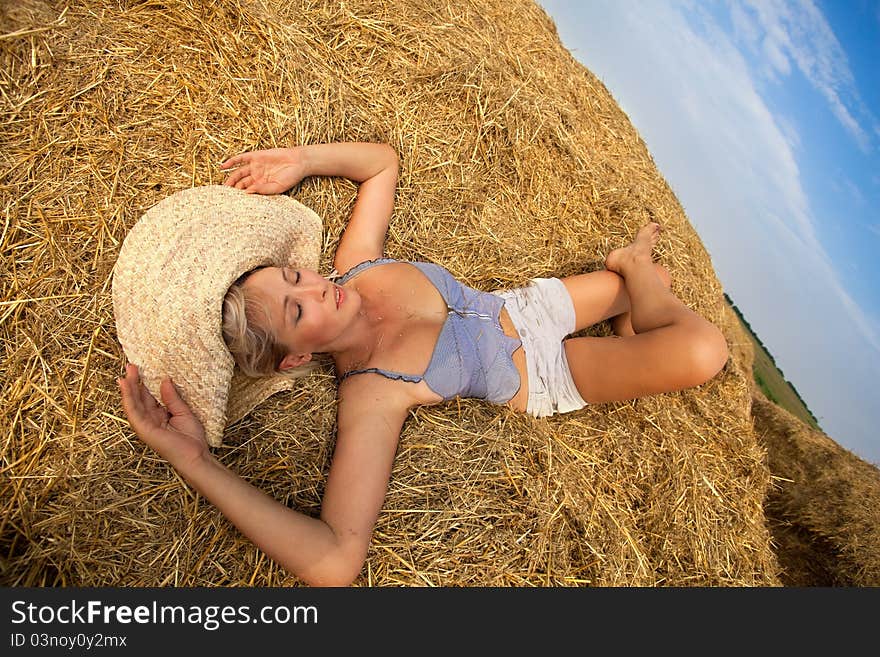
{"points": [[654, 230]]}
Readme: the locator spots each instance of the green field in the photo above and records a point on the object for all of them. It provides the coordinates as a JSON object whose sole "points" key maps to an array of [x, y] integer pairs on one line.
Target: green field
{"points": [[771, 380]]}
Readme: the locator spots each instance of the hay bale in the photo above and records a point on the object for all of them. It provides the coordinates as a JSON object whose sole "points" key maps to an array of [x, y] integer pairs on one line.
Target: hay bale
{"points": [[824, 506], [515, 162]]}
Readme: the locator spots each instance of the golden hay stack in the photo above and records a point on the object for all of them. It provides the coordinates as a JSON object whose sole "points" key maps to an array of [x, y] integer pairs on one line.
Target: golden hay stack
{"points": [[824, 507], [515, 162]]}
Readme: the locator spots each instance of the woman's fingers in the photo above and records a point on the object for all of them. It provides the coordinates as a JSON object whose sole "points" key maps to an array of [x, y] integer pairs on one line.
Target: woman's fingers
{"points": [[172, 399], [235, 160], [257, 173], [145, 400], [243, 179], [245, 182], [128, 386], [139, 405], [157, 412], [131, 404], [236, 176]]}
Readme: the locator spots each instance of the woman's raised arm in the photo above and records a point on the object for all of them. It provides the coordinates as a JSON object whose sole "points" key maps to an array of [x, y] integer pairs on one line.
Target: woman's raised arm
{"points": [[373, 166]]}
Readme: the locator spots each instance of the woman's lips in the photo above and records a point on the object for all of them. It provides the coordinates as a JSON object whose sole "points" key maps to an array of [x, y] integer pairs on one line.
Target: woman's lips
{"points": [[340, 296]]}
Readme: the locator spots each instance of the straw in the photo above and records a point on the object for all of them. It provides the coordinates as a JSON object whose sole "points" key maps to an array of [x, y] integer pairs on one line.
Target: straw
{"points": [[515, 162]]}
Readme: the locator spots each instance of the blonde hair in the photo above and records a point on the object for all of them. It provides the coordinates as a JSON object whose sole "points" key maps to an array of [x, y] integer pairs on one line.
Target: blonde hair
{"points": [[253, 346]]}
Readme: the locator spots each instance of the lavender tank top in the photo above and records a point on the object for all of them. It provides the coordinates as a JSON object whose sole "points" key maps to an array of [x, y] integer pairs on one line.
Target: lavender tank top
{"points": [[472, 356]]}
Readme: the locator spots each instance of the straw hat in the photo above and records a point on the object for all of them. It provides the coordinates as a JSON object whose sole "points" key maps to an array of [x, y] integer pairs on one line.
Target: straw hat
{"points": [[173, 271]]}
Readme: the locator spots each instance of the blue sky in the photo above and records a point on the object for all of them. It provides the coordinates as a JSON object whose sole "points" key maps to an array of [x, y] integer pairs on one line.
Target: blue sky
{"points": [[764, 118]]}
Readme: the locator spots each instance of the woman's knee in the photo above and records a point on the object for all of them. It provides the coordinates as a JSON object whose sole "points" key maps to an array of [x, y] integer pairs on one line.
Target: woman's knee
{"points": [[709, 353]]}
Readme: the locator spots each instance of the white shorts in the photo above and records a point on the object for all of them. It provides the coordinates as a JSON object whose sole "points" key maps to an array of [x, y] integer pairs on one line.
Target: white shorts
{"points": [[543, 315]]}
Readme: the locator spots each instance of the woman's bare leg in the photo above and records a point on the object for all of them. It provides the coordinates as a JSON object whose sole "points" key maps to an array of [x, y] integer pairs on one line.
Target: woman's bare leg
{"points": [[621, 324], [601, 295], [672, 347]]}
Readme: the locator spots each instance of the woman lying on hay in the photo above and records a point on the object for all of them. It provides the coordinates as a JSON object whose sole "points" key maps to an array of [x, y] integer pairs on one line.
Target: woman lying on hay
{"points": [[401, 334]]}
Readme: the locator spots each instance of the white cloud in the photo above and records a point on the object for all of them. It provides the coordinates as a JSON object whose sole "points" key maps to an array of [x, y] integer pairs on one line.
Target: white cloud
{"points": [[865, 325], [777, 59], [846, 187], [788, 128], [848, 121], [744, 28], [797, 30], [855, 193], [733, 165]]}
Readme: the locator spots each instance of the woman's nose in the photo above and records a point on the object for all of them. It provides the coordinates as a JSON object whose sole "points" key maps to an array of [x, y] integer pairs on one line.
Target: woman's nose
{"points": [[316, 289]]}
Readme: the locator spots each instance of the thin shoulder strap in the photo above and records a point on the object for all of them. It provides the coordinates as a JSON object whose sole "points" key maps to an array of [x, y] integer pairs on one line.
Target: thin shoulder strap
{"points": [[358, 268], [389, 374]]}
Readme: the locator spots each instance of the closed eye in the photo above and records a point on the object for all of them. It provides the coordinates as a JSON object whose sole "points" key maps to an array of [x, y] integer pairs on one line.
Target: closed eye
{"points": [[287, 298], [299, 309]]}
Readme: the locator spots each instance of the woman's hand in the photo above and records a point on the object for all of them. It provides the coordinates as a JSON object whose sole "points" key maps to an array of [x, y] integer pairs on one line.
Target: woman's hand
{"points": [[171, 430], [271, 171]]}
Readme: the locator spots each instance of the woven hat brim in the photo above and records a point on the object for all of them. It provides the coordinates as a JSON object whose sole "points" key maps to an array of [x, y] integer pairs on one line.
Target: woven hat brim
{"points": [[172, 274]]}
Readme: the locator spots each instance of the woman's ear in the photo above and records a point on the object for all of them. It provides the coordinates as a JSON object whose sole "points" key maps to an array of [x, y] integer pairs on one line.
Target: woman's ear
{"points": [[294, 360]]}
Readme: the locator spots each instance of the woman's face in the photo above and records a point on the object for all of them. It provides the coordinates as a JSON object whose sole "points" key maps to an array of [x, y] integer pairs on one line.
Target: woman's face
{"points": [[307, 313]]}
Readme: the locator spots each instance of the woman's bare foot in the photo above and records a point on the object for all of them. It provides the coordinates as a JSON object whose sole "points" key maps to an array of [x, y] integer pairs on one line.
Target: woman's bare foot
{"points": [[639, 251]]}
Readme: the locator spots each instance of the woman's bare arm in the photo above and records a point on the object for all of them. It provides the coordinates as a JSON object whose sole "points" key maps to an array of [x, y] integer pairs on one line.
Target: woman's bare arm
{"points": [[325, 551], [373, 166]]}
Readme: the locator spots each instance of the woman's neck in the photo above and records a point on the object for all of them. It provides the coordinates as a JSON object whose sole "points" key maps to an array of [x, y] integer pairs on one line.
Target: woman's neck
{"points": [[363, 338]]}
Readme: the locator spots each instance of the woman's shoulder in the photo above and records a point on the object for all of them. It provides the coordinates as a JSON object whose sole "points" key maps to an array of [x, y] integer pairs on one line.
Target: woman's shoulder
{"points": [[366, 391], [361, 267], [388, 275]]}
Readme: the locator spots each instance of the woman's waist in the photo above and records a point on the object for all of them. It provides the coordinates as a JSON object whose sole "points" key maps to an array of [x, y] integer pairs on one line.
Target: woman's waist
{"points": [[507, 324]]}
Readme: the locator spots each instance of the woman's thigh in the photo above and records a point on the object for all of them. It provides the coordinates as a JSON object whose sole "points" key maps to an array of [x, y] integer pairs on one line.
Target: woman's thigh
{"points": [[601, 295], [666, 359]]}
